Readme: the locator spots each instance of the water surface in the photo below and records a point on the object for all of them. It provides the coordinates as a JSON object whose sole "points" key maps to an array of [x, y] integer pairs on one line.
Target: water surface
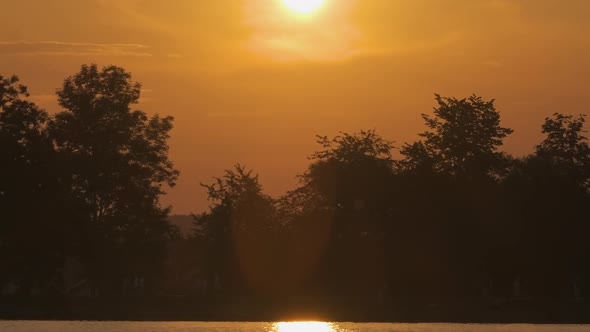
{"points": [[42, 326]]}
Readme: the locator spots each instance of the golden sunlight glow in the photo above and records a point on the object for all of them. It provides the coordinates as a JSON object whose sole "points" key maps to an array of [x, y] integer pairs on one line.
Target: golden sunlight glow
{"points": [[303, 6], [303, 327], [291, 31]]}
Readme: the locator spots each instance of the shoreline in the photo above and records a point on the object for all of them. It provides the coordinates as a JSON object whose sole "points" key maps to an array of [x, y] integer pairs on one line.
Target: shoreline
{"points": [[143, 309]]}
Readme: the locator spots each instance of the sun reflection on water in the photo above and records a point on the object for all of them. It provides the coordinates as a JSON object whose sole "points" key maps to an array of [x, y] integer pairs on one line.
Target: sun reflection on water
{"points": [[304, 327]]}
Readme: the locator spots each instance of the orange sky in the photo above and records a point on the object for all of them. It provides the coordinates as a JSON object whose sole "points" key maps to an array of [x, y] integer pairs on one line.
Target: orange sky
{"points": [[249, 81]]}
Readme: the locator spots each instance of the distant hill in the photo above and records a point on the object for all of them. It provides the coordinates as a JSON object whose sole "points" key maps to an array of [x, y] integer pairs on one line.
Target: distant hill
{"points": [[184, 222]]}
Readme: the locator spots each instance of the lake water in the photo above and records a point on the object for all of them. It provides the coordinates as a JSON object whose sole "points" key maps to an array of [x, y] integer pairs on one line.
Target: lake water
{"points": [[40, 326]]}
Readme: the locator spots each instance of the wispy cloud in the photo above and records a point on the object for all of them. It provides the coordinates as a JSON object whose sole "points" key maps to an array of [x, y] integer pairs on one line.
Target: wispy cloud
{"points": [[60, 48]]}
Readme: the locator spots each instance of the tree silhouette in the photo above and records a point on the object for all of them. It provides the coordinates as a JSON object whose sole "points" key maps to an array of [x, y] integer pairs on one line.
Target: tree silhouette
{"points": [[238, 231], [566, 146], [118, 159], [463, 139], [33, 228], [546, 199], [348, 186], [454, 172]]}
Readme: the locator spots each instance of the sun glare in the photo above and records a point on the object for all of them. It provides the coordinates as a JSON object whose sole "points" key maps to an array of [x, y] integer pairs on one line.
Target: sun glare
{"points": [[303, 327], [303, 6]]}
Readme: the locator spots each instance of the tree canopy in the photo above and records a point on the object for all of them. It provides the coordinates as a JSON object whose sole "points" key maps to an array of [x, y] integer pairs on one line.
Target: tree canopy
{"points": [[464, 137]]}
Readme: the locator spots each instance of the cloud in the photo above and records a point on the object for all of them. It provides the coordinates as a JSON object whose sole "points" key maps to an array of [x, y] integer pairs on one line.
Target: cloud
{"points": [[59, 48]]}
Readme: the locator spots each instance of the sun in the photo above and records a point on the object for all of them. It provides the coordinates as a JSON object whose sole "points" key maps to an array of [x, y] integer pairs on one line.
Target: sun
{"points": [[303, 6]]}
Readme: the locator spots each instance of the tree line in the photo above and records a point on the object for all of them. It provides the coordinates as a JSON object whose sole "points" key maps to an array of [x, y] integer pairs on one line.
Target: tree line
{"points": [[451, 217]]}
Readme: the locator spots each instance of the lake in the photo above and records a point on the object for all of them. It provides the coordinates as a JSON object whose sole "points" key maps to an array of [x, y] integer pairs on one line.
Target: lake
{"points": [[55, 326]]}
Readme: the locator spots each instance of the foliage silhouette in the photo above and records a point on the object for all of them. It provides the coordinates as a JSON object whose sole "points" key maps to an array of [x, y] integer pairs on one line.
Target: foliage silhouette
{"points": [[453, 218], [238, 231], [348, 187], [118, 161], [33, 234], [463, 139]]}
